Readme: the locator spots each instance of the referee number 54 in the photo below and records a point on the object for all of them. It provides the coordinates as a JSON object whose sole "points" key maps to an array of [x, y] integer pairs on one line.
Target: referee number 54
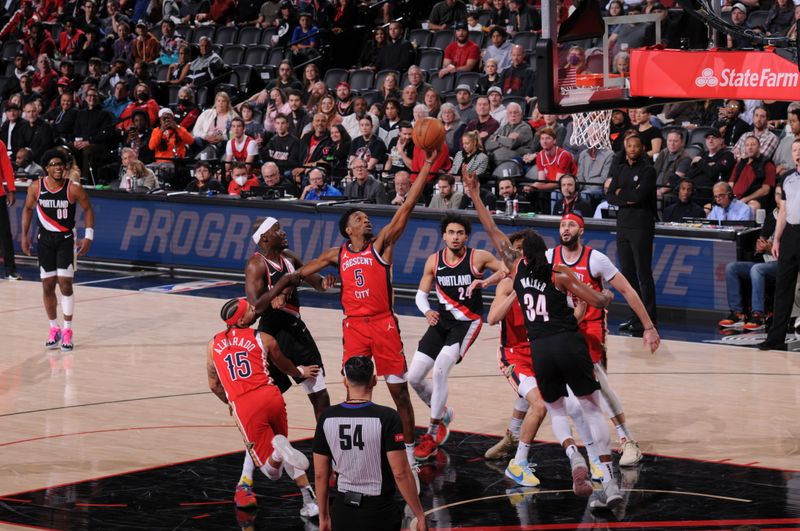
{"points": [[350, 436]]}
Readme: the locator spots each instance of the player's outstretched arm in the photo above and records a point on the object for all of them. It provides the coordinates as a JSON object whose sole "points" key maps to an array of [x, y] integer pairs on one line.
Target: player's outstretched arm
{"points": [[566, 281], [277, 357], [328, 258], [316, 281], [88, 217], [650, 336], [392, 232], [213, 379], [499, 239], [406, 485], [27, 216], [504, 298]]}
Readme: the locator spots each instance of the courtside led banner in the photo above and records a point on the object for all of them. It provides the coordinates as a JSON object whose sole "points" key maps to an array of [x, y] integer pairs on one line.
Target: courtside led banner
{"points": [[713, 74]]}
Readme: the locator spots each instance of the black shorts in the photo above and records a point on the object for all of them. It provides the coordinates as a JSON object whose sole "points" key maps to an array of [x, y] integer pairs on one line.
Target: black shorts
{"points": [[56, 252], [449, 332], [560, 360], [378, 513], [296, 343]]}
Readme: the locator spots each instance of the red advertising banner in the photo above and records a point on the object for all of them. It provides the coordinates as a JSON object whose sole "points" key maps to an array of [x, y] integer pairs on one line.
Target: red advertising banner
{"points": [[713, 74]]}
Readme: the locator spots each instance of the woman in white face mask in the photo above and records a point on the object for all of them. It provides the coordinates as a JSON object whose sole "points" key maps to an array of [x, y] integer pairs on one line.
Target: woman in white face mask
{"points": [[241, 180]]}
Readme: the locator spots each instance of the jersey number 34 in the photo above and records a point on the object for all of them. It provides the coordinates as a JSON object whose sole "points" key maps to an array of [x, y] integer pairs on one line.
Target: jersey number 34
{"points": [[536, 306]]}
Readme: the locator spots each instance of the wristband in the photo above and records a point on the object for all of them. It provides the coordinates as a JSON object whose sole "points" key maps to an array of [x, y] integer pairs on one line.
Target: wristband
{"points": [[422, 302], [89, 233], [302, 371], [430, 161]]}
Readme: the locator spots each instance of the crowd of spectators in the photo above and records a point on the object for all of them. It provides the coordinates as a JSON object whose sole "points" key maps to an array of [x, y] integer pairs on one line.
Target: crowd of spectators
{"points": [[139, 104]]}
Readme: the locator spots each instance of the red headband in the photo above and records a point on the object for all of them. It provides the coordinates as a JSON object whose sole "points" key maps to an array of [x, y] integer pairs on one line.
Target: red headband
{"points": [[573, 217], [241, 309]]}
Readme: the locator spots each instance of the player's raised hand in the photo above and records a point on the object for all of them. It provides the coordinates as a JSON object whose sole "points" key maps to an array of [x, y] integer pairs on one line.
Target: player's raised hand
{"points": [[469, 178], [651, 339], [432, 316], [83, 246], [431, 155], [329, 281]]}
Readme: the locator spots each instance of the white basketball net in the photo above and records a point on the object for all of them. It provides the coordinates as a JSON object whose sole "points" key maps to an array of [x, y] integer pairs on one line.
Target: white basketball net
{"points": [[591, 129]]}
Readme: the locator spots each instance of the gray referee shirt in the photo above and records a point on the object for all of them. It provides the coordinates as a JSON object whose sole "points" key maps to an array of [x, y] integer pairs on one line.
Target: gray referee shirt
{"points": [[790, 193], [357, 438]]}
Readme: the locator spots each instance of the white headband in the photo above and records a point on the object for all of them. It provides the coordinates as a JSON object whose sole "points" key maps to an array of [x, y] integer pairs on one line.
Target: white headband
{"points": [[264, 227]]}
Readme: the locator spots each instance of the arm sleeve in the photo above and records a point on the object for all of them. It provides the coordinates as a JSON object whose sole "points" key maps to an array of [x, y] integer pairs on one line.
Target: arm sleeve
{"points": [[602, 266], [320, 444]]}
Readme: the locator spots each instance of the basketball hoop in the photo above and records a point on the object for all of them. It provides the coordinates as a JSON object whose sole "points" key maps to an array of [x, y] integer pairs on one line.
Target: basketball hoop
{"points": [[591, 129]]}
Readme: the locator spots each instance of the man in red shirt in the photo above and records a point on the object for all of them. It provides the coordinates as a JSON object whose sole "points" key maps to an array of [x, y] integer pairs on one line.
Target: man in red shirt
{"points": [[462, 55], [551, 163], [7, 199], [370, 327], [241, 179], [753, 176]]}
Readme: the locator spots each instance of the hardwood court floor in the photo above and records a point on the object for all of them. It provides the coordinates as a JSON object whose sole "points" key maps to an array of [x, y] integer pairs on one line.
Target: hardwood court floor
{"points": [[136, 394]]}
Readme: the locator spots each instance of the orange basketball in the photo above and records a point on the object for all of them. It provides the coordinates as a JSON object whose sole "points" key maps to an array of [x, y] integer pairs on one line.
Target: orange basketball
{"points": [[428, 134]]}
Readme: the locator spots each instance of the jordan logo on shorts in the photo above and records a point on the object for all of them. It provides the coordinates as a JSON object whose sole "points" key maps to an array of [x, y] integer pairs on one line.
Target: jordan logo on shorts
{"points": [[389, 326]]}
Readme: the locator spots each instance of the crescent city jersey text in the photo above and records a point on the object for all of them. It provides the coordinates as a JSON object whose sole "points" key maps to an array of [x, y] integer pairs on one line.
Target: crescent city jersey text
{"points": [[274, 272], [366, 282], [55, 208], [241, 361], [452, 281]]}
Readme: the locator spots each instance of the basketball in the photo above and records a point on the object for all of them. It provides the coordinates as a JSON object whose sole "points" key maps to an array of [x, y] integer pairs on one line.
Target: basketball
{"points": [[428, 134]]}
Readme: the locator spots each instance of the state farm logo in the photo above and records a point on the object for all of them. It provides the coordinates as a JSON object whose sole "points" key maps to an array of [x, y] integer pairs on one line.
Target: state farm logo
{"points": [[707, 79], [759, 78]]}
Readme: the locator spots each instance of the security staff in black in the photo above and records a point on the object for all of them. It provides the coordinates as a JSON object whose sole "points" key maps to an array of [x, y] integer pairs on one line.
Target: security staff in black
{"points": [[453, 272], [633, 191], [786, 247], [363, 442], [271, 261]]}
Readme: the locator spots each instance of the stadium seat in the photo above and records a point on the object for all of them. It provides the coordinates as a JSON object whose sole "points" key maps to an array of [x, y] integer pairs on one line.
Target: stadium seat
{"points": [[185, 31], [161, 72], [10, 49], [334, 76], [378, 83], [156, 31], [757, 18], [276, 55], [81, 68], [442, 39], [443, 84], [203, 31], [226, 34], [478, 38], [467, 78], [485, 18], [509, 168], [361, 79], [693, 151], [526, 39], [420, 36], [249, 36], [697, 137], [372, 96], [267, 34], [255, 55], [233, 54], [684, 133], [430, 59]]}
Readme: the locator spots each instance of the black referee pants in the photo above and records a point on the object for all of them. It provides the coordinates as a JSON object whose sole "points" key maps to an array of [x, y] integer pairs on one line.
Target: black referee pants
{"points": [[788, 268], [377, 513], [6, 240], [635, 252]]}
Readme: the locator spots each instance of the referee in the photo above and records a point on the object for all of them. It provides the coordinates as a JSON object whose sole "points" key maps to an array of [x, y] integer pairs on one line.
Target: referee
{"points": [[365, 442], [786, 248]]}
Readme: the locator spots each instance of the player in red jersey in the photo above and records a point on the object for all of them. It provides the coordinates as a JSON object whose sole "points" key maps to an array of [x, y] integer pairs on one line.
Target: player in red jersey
{"points": [[54, 198], [594, 268], [238, 365], [370, 327]]}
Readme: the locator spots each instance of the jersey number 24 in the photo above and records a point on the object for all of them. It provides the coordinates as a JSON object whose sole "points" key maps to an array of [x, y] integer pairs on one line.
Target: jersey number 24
{"points": [[536, 306]]}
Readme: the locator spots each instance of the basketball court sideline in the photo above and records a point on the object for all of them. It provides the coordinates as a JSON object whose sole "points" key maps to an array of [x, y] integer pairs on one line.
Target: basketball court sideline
{"points": [[133, 395]]}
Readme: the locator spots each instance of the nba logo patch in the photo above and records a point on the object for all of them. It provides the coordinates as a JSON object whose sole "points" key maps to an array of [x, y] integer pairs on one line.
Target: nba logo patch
{"points": [[398, 437]]}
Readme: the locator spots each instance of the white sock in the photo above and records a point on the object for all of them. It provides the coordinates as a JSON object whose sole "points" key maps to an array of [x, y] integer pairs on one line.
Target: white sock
{"points": [[522, 453], [608, 471], [247, 469], [623, 433], [67, 325], [54, 323], [308, 494], [410, 453], [515, 426], [571, 449]]}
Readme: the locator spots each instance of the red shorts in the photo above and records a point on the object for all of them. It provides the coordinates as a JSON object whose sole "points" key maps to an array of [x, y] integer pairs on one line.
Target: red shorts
{"points": [[595, 334], [377, 337], [515, 364], [261, 415]]}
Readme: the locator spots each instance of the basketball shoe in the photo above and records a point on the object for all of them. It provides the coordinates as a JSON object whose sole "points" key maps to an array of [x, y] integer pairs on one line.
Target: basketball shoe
{"points": [[580, 475], [426, 447], [522, 473], [734, 320], [288, 453], [609, 498], [66, 340], [503, 447], [631, 454], [244, 497], [53, 338]]}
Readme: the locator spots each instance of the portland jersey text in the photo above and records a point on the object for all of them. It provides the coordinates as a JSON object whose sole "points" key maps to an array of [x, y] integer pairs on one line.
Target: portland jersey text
{"points": [[451, 282], [241, 361], [366, 282], [544, 306], [55, 208]]}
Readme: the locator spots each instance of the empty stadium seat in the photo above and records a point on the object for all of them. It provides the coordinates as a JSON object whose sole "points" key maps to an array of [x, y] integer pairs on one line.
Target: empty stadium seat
{"points": [[334, 76], [233, 54], [526, 39], [256, 55], [757, 18], [467, 78], [443, 84], [276, 55], [361, 79], [226, 34], [420, 36], [430, 59], [441, 39], [249, 36]]}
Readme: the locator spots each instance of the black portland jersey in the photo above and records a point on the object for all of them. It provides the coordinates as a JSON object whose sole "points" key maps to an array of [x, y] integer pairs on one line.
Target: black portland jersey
{"points": [[55, 208], [451, 283], [273, 320], [544, 306]]}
